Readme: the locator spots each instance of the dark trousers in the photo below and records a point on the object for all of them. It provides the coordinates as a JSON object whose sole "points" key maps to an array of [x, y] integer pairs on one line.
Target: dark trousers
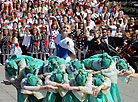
{"points": [[133, 61]]}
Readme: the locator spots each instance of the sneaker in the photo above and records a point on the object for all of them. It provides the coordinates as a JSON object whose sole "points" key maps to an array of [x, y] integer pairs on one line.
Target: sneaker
{"points": [[0, 64]]}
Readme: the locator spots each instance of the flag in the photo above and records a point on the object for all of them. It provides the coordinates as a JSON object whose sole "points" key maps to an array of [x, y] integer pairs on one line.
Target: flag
{"points": [[14, 10], [68, 14], [13, 30], [52, 18], [78, 20], [52, 11], [34, 13], [31, 25], [119, 10], [87, 7], [10, 8], [64, 2], [117, 25], [8, 17], [101, 5], [60, 7], [98, 21], [70, 0], [98, 25], [20, 21], [5, 24], [126, 16], [25, 11], [35, 3], [46, 3], [41, 28]]}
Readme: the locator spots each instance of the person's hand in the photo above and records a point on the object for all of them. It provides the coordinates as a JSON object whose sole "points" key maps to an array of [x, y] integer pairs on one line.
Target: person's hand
{"points": [[68, 43], [134, 75], [96, 91], [48, 87], [26, 92], [98, 41], [6, 82], [41, 76], [66, 87], [123, 71]]}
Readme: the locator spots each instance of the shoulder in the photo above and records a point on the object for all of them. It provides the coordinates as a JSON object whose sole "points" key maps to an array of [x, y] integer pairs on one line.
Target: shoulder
{"points": [[67, 39], [59, 35], [57, 40]]}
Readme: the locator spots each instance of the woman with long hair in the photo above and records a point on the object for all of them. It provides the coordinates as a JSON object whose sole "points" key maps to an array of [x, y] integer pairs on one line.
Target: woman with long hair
{"points": [[44, 49], [5, 46], [81, 39], [64, 44], [33, 48], [15, 48]]}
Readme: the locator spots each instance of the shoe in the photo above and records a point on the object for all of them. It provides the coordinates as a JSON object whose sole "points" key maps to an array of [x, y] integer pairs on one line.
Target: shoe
{"points": [[0, 64]]}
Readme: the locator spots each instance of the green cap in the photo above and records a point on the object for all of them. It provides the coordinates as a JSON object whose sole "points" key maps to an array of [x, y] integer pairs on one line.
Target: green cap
{"points": [[32, 80], [92, 63], [98, 79], [106, 61], [122, 64], [11, 67], [115, 58], [75, 64], [58, 76], [13, 57], [81, 77], [30, 69], [52, 65]]}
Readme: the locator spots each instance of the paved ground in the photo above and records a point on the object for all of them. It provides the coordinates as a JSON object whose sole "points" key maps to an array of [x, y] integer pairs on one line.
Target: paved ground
{"points": [[129, 93]]}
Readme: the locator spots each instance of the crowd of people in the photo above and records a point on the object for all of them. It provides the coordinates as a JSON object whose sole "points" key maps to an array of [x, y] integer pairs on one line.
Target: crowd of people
{"points": [[79, 32]]}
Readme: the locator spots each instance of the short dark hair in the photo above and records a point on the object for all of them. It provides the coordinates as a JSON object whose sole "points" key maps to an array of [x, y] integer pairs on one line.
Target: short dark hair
{"points": [[104, 29]]}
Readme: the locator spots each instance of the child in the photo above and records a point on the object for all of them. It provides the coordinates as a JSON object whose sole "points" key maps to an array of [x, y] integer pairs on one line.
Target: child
{"points": [[53, 34], [26, 40], [118, 32], [33, 48], [15, 48], [81, 40], [5, 47], [44, 43]]}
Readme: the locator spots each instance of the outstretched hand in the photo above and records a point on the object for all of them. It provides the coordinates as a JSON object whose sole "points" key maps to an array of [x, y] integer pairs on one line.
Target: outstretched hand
{"points": [[124, 71], [6, 82], [26, 92]]}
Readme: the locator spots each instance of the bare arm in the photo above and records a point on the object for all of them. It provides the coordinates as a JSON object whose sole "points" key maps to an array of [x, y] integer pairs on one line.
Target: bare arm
{"points": [[134, 75]]}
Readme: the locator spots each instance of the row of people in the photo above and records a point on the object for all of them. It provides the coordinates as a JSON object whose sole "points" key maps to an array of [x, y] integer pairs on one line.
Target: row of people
{"points": [[92, 79]]}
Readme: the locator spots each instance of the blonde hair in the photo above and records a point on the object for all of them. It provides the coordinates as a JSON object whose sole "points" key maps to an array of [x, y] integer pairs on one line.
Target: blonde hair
{"points": [[127, 34], [111, 20], [136, 32]]}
